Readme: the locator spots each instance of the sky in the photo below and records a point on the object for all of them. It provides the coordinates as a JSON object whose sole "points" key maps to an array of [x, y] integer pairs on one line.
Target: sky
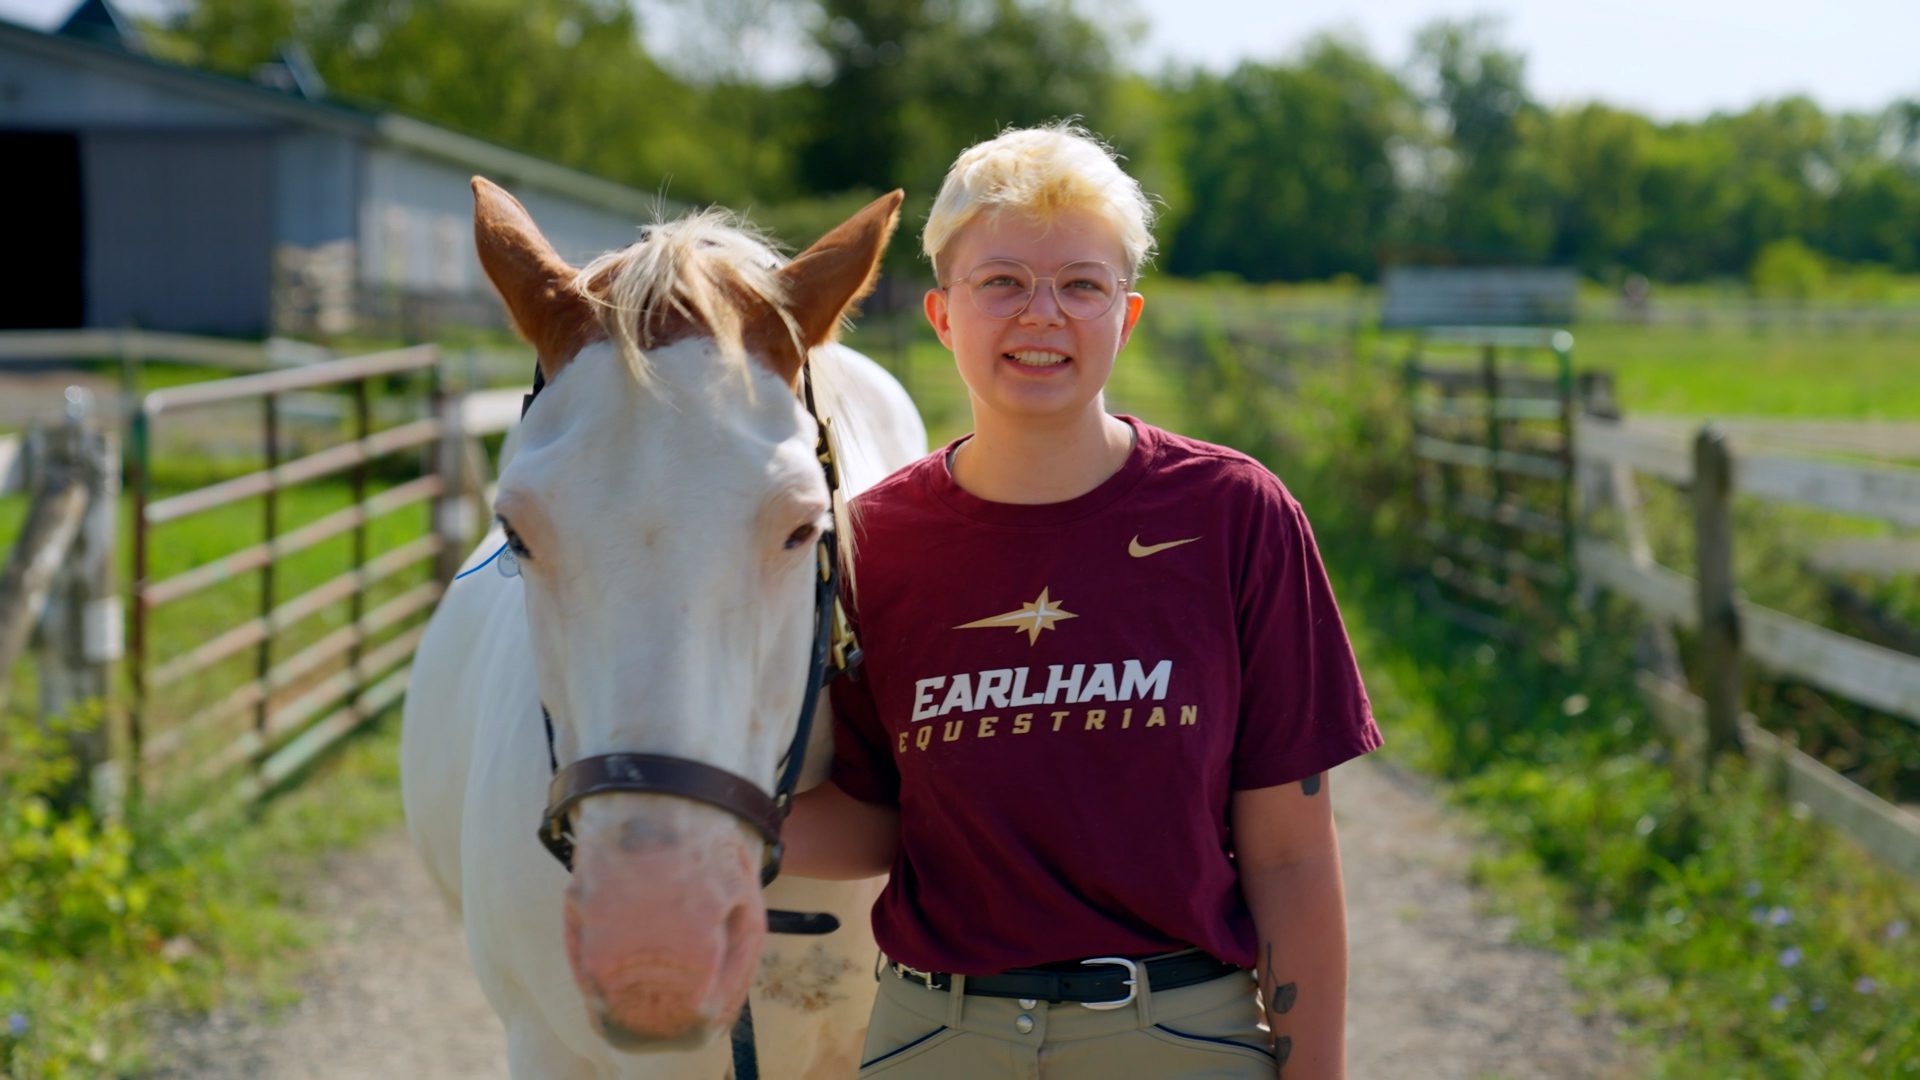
{"points": [[1671, 59]]}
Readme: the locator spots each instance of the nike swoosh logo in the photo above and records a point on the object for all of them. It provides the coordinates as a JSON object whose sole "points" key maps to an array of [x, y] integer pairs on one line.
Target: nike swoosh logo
{"points": [[1141, 551]]}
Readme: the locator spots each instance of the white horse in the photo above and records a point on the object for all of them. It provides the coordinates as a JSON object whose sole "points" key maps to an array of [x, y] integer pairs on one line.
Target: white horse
{"points": [[662, 498]]}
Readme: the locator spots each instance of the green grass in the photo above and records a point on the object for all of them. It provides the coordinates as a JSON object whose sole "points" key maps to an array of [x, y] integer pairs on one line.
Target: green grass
{"points": [[1730, 372], [107, 934]]}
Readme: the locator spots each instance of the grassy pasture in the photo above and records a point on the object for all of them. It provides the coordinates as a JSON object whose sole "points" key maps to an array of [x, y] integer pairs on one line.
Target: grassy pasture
{"points": [[1732, 372]]}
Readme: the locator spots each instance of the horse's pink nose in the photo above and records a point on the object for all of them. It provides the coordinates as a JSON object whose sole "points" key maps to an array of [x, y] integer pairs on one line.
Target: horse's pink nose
{"points": [[664, 940]]}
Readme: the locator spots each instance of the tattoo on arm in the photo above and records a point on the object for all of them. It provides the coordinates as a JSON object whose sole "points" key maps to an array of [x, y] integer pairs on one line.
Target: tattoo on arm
{"points": [[1311, 785], [1283, 998], [1279, 999]]}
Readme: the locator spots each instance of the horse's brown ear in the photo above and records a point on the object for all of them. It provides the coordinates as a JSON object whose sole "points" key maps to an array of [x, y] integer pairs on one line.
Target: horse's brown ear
{"points": [[827, 279], [530, 276]]}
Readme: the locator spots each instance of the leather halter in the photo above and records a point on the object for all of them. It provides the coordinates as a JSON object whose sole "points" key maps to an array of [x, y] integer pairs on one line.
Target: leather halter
{"points": [[834, 653]]}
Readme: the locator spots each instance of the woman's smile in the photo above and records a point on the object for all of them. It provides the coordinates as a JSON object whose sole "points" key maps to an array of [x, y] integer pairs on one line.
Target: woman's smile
{"points": [[1036, 360]]}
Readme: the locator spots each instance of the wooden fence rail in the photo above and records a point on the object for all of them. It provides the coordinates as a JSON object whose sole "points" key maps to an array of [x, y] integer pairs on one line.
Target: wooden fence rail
{"points": [[1471, 453], [1734, 630]]}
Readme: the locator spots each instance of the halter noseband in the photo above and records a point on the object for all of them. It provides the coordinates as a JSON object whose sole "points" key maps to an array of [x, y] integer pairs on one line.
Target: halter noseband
{"points": [[834, 653]]}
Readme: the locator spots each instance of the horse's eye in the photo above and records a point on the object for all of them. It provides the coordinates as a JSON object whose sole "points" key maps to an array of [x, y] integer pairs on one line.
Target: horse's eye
{"points": [[801, 535], [514, 543]]}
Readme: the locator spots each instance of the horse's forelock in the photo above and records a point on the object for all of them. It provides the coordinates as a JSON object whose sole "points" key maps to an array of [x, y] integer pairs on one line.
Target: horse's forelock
{"points": [[703, 271], [698, 269]]}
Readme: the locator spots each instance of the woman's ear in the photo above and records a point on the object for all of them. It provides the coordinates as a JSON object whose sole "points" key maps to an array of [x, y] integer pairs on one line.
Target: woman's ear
{"points": [[1135, 302], [936, 305]]}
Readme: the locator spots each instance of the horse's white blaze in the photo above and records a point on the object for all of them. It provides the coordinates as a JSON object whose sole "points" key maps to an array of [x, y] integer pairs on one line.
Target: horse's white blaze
{"points": [[646, 507], [658, 611]]}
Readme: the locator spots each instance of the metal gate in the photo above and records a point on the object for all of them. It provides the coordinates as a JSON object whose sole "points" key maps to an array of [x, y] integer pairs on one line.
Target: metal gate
{"points": [[238, 696], [1493, 470]]}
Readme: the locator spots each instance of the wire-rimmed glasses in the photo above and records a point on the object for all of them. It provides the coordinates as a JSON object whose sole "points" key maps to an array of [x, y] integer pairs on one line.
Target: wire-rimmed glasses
{"points": [[1002, 288]]}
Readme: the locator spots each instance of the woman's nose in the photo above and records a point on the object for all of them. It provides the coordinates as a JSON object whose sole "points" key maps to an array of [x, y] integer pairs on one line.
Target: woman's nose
{"points": [[1044, 308]]}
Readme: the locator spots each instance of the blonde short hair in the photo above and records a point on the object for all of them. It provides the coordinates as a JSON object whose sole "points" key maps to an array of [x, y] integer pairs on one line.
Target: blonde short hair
{"points": [[1041, 172]]}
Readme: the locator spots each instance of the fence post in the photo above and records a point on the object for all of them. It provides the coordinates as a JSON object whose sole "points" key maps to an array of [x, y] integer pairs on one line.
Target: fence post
{"points": [[450, 507], [80, 635], [59, 569], [1720, 680], [48, 533]]}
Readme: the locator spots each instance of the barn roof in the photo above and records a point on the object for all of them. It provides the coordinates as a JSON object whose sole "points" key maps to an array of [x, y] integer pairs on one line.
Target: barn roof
{"points": [[98, 38], [99, 21]]}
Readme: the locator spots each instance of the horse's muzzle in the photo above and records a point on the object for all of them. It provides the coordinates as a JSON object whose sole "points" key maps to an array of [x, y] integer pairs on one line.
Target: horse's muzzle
{"points": [[665, 921]]}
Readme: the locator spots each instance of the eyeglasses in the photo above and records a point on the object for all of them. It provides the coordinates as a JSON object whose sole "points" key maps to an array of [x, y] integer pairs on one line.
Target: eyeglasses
{"points": [[1002, 288]]}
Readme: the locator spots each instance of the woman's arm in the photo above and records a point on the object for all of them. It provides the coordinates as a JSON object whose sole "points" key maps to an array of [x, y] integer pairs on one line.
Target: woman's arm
{"points": [[830, 834], [1289, 861]]}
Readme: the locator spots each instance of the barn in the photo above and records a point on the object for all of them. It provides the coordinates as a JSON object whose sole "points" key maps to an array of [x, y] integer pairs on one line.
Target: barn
{"points": [[147, 194]]}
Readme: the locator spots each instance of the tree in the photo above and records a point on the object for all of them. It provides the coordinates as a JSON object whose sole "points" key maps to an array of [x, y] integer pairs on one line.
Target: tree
{"points": [[1288, 170], [1596, 159], [566, 80], [1495, 197], [912, 82]]}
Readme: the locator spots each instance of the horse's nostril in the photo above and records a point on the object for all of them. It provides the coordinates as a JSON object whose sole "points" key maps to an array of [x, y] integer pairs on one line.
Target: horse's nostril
{"points": [[740, 922]]}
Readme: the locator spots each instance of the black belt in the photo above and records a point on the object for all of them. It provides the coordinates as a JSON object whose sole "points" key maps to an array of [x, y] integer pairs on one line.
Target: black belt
{"points": [[1106, 982]]}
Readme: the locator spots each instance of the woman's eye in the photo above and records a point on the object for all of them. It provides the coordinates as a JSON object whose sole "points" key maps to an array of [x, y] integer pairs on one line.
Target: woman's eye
{"points": [[800, 536]]}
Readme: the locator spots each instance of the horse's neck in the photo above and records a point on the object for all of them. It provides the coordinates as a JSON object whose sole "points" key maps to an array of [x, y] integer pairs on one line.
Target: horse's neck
{"points": [[875, 424]]}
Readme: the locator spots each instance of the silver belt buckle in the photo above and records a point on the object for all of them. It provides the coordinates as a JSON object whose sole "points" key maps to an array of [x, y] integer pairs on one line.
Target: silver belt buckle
{"points": [[1132, 982], [906, 972]]}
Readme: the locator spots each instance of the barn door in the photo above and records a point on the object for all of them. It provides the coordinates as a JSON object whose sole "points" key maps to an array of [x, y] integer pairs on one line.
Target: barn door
{"points": [[46, 279]]}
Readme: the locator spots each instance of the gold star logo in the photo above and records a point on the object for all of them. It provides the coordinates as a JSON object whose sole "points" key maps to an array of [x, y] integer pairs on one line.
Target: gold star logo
{"points": [[1032, 618]]}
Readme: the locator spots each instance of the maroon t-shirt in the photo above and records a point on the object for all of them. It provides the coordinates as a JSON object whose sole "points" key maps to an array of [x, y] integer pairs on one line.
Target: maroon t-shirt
{"points": [[1062, 698]]}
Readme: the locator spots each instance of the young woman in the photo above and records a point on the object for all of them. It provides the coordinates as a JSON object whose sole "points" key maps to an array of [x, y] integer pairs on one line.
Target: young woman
{"points": [[1104, 681]]}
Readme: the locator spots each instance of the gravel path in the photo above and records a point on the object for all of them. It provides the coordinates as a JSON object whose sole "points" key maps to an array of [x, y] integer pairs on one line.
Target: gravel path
{"points": [[390, 996], [1436, 989], [1438, 992]]}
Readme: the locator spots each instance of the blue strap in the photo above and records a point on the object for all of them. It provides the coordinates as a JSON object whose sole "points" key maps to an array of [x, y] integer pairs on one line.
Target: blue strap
{"points": [[483, 565]]}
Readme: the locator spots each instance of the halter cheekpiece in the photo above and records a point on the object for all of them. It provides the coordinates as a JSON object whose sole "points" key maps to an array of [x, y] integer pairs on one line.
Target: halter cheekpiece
{"points": [[834, 653]]}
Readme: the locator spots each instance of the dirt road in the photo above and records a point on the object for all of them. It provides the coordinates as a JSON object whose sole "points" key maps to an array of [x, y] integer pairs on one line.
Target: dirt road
{"points": [[1437, 990]]}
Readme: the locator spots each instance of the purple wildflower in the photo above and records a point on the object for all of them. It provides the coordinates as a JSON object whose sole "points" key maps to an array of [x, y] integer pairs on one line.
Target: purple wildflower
{"points": [[1896, 929], [1791, 956], [1779, 1003], [17, 1024], [1865, 984], [1818, 1004], [1779, 916], [1753, 889]]}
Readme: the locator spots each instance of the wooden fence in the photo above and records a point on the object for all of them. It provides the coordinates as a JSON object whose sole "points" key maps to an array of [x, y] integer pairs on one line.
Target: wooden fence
{"points": [[1734, 632], [1493, 469], [1466, 471]]}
